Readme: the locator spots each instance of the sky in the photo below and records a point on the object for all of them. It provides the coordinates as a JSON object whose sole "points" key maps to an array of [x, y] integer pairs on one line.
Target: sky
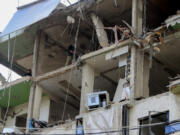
{"points": [[7, 9]]}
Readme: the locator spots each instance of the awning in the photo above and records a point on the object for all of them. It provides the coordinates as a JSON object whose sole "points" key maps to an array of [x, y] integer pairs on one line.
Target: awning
{"points": [[19, 92], [22, 29], [29, 15]]}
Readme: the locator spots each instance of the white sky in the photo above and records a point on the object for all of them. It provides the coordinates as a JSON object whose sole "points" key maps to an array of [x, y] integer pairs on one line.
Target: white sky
{"points": [[7, 9], [8, 73]]}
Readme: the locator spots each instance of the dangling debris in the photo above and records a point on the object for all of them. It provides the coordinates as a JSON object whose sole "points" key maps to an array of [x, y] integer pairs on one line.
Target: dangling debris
{"points": [[2, 79]]}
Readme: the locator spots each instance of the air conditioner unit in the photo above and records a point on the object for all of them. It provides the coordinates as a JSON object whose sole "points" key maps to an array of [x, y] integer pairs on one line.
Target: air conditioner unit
{"points": [[97, 99]]}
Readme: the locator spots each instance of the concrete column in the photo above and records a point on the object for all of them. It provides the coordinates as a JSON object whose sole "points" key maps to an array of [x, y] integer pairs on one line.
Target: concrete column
{"points": [[146, 76], [87, 86], [138, 80], [139, 74], [137, 13], [37, 102], [132, 73], [32, 97], [101, 33]]}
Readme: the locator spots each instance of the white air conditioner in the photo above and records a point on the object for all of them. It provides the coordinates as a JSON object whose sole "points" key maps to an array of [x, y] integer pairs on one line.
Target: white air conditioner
{"points": [[97, 99]]}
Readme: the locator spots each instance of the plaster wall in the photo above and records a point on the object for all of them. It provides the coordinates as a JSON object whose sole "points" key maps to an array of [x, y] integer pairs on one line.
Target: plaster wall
{"points": [[44, 109], [160, 103]]}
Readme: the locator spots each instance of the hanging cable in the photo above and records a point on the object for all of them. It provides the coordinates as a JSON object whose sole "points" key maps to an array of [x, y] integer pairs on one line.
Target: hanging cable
{"points": [[9, 78], [76, 39], [70, 33], [67, 93], [110, 131], [65, 30], [74, 57]]}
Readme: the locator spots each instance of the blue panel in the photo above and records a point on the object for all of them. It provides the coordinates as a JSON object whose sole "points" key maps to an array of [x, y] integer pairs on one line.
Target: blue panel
{"points": [[30, 14], [172, 128]]}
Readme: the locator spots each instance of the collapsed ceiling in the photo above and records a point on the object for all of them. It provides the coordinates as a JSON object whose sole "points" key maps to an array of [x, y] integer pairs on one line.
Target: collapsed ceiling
{"points": [[57, 28]]}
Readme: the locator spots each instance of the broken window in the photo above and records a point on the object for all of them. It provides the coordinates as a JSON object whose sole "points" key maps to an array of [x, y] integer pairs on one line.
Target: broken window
{"points": [[153, 119], [159, 78], [21, 120], [159, 10], [125, 120], [79, 126], [165, 64], [59, 114]]}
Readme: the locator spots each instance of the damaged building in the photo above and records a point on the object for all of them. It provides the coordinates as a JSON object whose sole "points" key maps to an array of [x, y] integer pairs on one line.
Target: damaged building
{"points": [[94, 67]]}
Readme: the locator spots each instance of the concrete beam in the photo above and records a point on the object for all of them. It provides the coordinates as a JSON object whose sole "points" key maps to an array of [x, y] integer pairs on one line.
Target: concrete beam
{"points": [[101, 33], [106, 50], [55, 72], [88, 75]]}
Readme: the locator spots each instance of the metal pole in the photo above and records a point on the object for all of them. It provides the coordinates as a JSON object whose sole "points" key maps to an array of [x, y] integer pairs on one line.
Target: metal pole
{"points": [[150, 130], [9, 45]]}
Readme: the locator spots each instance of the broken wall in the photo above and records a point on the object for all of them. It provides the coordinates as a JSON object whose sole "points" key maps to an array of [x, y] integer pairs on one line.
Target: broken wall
{"points": [[68, 128], [160, 103], [102, 120]]}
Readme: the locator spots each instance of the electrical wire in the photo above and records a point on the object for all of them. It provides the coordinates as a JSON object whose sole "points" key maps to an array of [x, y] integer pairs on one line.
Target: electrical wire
{"points": [[76, 39], [111, 131], [74, 57], [9, 78], [67, 93], [67, 26], [70, 33]]}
